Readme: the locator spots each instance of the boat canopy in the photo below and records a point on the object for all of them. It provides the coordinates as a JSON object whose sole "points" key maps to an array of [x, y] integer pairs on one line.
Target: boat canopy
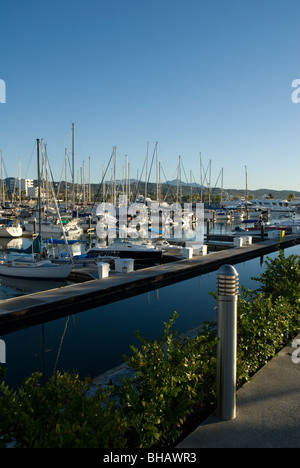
{"points": [[62, 241]]}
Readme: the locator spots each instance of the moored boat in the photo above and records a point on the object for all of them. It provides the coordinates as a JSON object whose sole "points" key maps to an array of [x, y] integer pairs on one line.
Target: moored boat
{"points": [[10, 230], [126, 249], [34, 268]]}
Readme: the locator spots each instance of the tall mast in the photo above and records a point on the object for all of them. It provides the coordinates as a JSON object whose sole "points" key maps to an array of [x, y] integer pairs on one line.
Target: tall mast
{"points": [[126, 178], [20, 183], [73, 166], [221, 197], [179, 187], [83, 182], [146, 177], [47, 180], [39, 183], [246, 195], [66, 185], [89, 179], [201, 181], [157, 175], [128, 183], [209, 180], [114, 177], [103, 185]]}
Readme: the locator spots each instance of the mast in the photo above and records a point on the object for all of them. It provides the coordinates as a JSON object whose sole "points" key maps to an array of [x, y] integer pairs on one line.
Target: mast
{"points": [[114, 176], [209, 193], [42, 177], [47, 180], [103, 186], [157, 174], [221, 197], [126, 178], [246, 194], [39, 183], [3, 193], [73, 166], [201, 181], [66, 185], [179, 187], [146, 177], [128, 201], [20, 183], [89, 179], [77, 187], [83, 182]]}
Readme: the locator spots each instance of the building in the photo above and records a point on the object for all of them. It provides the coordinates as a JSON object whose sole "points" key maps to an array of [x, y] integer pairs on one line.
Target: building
{"points": [[15, 184]]}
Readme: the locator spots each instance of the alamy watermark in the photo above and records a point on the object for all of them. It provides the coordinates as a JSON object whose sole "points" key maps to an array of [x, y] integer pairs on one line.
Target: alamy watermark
{"points": [[2, 352], [2, 92], [148, 221], [295, 354], [296, 93]]}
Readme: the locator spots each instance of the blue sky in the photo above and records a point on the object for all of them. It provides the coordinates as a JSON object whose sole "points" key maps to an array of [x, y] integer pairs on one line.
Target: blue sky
{"points": [[209, 76]]}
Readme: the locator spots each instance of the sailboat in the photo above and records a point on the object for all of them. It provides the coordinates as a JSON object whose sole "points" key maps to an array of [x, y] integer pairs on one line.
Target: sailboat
{"points": [[32, 268], [32, 265]]}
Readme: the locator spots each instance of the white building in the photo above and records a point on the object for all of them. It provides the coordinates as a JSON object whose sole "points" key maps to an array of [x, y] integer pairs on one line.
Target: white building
{"points": [[15, 185]]}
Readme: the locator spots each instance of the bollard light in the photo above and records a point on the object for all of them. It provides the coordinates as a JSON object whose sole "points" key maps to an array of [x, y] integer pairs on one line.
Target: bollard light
{"points": [[227, 341]]}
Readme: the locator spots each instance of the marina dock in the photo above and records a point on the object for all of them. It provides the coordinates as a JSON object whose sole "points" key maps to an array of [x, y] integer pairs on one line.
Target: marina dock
{"points": [[31, 309]]}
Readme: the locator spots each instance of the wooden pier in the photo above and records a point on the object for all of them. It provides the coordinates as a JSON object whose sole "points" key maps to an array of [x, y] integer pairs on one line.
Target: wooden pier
{"points": [[31, 309]]}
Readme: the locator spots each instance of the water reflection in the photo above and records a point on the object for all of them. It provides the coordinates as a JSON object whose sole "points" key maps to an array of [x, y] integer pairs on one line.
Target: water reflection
{"points": [[13, 287]]}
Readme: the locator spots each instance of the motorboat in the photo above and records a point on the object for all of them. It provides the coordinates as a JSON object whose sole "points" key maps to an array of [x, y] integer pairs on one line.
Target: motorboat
{"points": [[263, 204], [167, 247], [292, 225], [272, 204], [128, 249]]}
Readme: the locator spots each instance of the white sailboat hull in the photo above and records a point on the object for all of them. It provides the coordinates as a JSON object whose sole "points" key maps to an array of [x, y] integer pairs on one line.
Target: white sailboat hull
{"points": [[43, 269], [10, 231], [47, 229]]}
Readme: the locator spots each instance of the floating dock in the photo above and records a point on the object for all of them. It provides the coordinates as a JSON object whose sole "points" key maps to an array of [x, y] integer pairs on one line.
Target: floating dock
{"points": [[31, 309]]}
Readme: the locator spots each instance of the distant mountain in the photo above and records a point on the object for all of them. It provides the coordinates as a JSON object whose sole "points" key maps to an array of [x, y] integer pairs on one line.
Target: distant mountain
{"points": [[261, 193], [184, 184], [171, 185]]}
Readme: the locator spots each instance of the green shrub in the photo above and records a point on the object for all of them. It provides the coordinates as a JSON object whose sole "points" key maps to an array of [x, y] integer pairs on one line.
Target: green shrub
{"points": [[281, 278], [173, 378], [264, 326], [59, 414]]}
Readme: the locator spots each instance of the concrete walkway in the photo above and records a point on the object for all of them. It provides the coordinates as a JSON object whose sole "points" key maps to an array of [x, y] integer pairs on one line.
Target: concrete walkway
{"points": [[268, 411]]}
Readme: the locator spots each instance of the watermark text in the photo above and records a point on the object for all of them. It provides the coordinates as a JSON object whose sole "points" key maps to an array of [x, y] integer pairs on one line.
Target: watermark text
{"points": [[2, 92], [295, 354], [296, 93], [2, 352], [149, 221]]}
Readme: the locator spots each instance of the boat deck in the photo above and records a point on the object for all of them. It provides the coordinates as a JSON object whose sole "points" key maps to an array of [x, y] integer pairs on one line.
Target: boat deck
{"points": [[44, 306]]}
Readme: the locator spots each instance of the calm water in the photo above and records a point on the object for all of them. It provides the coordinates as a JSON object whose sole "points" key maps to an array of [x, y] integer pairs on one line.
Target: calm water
{"points": [[94, 341]]}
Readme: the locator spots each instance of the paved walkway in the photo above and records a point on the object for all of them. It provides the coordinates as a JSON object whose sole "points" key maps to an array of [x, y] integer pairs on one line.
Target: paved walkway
{"points": [[268, 411]]}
